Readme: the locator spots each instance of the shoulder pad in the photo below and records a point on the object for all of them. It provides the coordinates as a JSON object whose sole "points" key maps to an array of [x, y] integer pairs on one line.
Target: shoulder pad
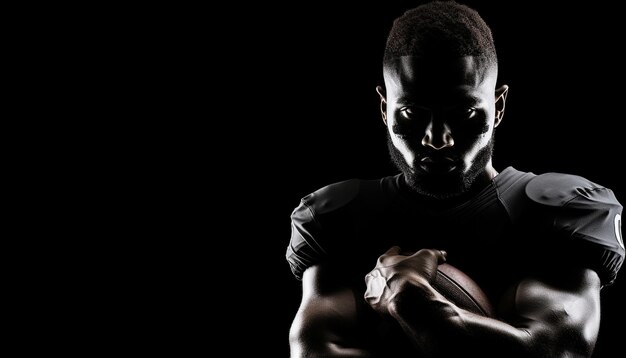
{"points": [[557, 189], [333, 196]]}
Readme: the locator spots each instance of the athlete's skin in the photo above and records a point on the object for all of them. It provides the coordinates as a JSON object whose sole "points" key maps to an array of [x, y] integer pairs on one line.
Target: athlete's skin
{"points": [[440, 116]]}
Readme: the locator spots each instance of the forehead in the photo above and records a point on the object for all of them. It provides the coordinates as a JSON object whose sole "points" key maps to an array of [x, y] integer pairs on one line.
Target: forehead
{"points": [[428, 76]]}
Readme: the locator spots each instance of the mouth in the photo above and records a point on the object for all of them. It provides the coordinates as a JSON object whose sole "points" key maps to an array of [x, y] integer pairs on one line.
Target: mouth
{"points": [[441, 165]]}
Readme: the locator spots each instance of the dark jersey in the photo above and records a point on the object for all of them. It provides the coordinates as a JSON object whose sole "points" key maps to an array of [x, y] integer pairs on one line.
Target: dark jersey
{"points": [[519, 225]]}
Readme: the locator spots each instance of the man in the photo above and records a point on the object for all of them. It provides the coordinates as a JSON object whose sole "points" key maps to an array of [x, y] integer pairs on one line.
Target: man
{"points": [[367, 251]]}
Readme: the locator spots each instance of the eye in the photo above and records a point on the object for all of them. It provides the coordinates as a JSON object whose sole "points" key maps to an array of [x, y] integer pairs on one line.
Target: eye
{"points": [[464, 113], [415, 113], [407, 112]]}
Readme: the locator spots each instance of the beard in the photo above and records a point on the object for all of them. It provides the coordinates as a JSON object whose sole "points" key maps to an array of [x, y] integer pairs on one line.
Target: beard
{"points": [[442, 186]]}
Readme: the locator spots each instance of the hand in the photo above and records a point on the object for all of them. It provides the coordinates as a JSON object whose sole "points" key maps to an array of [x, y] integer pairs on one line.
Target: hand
{"points": [[396, 273]]}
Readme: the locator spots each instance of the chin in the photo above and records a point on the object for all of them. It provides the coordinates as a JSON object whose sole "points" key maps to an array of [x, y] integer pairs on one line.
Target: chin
{"points": [[442, 185], [438, 186]]}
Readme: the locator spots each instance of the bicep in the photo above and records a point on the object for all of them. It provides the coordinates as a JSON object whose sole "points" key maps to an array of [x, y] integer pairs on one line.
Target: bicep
{"points": [[562, 315], [327, 321]]}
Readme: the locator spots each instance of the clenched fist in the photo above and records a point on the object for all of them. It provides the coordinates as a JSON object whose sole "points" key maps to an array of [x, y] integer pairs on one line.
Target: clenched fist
{"points": [[395, 273]]}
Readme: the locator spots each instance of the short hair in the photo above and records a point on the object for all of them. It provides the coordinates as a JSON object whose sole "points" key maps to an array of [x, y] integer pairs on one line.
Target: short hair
{"points": [[441, 29]]}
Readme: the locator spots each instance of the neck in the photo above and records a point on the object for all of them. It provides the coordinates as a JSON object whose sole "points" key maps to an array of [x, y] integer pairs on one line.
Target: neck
{"points": [[480, 182], [490, 172]]}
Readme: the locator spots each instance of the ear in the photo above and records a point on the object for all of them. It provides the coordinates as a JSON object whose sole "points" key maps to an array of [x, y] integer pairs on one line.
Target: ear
{"points": [[501, 94], [383, 102]]}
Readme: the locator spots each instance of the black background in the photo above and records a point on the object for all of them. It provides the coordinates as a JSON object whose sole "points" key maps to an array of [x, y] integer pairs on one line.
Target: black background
{"points": [[301, 89]]}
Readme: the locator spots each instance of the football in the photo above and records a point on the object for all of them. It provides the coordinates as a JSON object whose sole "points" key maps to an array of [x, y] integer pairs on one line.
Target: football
{"points": [[462, 290]]}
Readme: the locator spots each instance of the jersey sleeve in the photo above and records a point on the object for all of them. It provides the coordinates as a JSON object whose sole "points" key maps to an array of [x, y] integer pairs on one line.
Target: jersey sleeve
{"points": [[586, 216], [318, 225], [304, 250]]}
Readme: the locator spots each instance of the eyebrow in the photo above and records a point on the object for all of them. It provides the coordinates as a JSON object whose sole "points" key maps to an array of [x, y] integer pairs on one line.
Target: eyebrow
{"points": [[464, 98]]}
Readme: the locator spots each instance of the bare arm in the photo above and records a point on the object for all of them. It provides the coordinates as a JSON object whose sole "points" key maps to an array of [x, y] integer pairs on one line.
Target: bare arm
{"points": [[546, 318], [327, 322]]}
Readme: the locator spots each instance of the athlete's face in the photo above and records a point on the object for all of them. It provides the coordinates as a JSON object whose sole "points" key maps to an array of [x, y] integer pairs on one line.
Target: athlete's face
{"points": [[440, 118]]}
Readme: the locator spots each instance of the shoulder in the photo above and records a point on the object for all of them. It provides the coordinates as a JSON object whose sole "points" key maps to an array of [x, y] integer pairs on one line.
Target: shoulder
{"points": [[346, 194], [322, 224], [560, 189], [587, 215], [333, 196]]}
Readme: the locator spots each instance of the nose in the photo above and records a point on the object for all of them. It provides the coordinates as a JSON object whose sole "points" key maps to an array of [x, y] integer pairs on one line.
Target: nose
{"points": [[438, 136]]}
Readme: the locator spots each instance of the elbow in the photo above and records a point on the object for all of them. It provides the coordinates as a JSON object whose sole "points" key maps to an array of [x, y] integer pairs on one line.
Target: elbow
{"points": [[582, 343], [310, 341]]}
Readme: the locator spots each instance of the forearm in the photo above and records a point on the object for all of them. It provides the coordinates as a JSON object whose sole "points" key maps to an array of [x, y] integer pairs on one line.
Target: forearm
{"points": [[432, 329]]}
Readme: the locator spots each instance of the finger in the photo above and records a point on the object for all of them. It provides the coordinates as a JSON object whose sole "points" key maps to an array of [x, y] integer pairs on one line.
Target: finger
{"points": [[394, 250], [439, 255], [442, 256]]}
